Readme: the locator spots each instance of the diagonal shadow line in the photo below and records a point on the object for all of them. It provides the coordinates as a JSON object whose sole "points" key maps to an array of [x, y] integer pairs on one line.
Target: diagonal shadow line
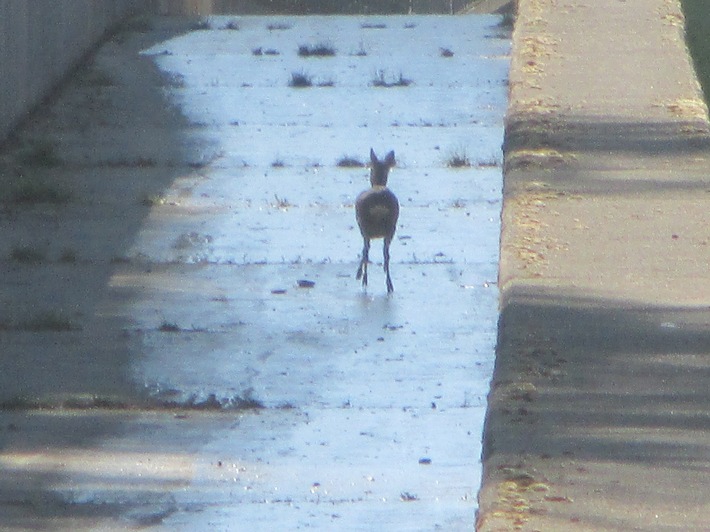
{"points": [[602, 410]]}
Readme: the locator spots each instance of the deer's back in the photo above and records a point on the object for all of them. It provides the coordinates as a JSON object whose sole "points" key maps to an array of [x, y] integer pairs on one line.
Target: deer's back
{"points": [[377, 210]]}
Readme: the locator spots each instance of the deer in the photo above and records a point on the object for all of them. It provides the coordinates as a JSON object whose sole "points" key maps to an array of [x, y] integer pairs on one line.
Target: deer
{"points": [[376, 211]]}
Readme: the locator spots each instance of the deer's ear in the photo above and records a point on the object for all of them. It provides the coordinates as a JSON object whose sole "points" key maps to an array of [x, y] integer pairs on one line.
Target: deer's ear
{"points": [[373, 157], [389, 159]]}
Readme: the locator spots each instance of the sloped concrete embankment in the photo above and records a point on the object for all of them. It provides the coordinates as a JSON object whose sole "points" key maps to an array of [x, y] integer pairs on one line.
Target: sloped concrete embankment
{"points": [[599, 409], [41, 41]]}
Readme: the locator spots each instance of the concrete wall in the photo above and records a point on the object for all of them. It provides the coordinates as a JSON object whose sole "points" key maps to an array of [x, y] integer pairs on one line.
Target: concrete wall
{"points": [[41, 40]]}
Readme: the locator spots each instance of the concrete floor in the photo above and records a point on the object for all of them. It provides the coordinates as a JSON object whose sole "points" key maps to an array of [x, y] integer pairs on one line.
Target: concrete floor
{"points": [[162, 368]]}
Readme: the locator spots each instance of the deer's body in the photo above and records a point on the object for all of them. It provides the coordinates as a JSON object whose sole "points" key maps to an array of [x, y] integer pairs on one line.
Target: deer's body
{"points": [[377, 210]]}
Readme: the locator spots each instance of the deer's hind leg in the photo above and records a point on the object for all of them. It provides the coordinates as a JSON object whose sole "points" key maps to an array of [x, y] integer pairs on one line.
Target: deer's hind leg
{"points": [[362, 269], [386, 252]]}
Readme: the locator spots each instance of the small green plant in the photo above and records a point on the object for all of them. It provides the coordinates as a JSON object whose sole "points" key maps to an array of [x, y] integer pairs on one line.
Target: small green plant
{"points": [[27, 254], [278, 163], [300, 80], [316, 50]]}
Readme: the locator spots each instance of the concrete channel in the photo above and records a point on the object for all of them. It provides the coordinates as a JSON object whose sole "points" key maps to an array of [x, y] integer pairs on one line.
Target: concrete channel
{"points": [[598, 414], [165, 366]]}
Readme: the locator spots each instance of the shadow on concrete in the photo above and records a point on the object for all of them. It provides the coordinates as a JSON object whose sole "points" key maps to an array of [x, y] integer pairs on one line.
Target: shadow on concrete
{"points": [[607, 134], [119, 144], [627, 157], [602, 413]]}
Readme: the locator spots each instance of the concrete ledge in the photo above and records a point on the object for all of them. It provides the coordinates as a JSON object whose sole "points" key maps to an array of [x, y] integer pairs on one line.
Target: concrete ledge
{"points": [[599, 409]]}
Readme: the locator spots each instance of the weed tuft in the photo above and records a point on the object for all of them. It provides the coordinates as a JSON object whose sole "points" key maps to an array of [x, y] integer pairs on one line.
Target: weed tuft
{"points": [[349, 162], [300, 80], [381, 80], [282, 203], [458, 159], [170, 327], [493, 162], [316, 50]]}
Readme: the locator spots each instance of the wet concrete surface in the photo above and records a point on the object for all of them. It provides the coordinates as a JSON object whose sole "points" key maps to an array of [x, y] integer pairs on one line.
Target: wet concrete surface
{"points": [[161, 365]]}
